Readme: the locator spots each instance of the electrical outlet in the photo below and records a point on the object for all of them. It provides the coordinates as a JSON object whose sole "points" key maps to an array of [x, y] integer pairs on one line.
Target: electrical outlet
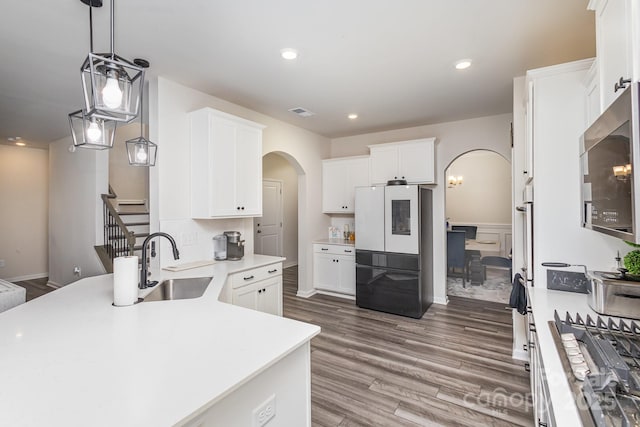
{"points": [[265, 412], [77, 271], [189, 239], [2, 263]]}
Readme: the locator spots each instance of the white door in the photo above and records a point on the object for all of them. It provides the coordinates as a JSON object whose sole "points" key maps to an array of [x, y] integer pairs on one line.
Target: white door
{"points": [[401, 228], [268, 227], [370, 218]]}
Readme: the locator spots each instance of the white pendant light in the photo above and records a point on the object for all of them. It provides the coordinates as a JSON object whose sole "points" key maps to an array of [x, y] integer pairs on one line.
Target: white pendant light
{"points": [[91, 132], [141, 151], [112, 85]]}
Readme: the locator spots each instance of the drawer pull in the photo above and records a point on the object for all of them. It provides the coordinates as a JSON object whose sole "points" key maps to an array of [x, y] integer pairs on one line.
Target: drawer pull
{"points": [[259, 291], [348, 251], [272, 271], [527, 367], [249, 278], [532, 327], [324, 249]]}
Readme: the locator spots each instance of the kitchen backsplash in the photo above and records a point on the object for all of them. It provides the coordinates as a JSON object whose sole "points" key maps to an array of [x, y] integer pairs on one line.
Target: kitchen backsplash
{"points": [[195, 237]]}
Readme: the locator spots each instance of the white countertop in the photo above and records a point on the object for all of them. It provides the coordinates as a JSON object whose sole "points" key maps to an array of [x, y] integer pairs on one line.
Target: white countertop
{"points": [[543, 302], [69, 358], [342, 242]]}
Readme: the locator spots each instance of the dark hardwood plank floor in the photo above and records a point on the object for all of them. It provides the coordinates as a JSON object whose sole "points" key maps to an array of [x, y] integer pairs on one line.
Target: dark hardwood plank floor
{"points": [[36, 287], [453, 367]]}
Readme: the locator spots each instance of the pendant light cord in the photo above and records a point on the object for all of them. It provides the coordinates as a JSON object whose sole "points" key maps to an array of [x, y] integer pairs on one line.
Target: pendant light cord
{"points": [[90, 29], [112, 25]]}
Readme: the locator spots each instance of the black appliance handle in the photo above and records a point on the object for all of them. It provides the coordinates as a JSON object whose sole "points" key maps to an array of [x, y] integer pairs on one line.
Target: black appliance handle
{"points": [[556, 264]]}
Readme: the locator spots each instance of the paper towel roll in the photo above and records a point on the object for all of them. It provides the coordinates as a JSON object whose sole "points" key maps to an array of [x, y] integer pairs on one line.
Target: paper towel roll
{"points": [[125, 280]]}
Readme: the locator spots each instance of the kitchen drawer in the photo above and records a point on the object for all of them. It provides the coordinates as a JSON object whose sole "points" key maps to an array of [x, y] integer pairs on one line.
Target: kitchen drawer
{"points": [[334, 249], [255, 274]]}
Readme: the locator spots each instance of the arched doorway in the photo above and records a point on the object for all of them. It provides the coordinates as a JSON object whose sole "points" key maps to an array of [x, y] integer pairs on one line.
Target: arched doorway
{"points": [[282, 174], [478, 204]]}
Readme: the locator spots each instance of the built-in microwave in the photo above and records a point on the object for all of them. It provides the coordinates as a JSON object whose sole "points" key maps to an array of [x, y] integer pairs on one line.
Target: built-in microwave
{"points": [[610, 154]]}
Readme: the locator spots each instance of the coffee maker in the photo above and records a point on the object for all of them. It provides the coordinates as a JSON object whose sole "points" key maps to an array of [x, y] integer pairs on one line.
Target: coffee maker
{"points": [[235, 246]]}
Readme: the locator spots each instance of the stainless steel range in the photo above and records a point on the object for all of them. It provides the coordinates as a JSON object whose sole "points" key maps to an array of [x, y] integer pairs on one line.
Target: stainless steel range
{"points": [[602, 359]]}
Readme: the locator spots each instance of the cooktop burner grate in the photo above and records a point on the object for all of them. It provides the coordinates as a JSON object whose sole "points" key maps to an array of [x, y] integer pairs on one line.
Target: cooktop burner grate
{"points": [[612, 387]]}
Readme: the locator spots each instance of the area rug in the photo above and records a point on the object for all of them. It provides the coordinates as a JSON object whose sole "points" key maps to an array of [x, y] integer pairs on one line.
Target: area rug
{"points": [[496, 288]]}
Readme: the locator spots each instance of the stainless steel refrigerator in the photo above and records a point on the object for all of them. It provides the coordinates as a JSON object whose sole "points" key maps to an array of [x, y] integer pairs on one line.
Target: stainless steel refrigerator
{"points": [[394, 249]]}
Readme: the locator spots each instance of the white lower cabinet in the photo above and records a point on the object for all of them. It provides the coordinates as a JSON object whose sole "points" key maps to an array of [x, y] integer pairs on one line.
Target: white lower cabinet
{"points": [[334, 268], [542, 409], [258, 289]]}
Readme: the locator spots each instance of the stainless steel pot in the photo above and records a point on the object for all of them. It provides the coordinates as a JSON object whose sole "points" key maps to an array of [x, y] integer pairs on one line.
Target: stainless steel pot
{"points": [[612, 296]]}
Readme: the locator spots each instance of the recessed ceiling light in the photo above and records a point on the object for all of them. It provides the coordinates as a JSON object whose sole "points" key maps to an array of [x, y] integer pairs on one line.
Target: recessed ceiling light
{"points": [[289, 53], [463, 64], [352, 116]]}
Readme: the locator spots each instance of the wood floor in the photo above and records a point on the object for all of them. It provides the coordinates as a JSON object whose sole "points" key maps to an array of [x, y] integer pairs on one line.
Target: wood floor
{"points": [[453, 367], [36, 287]]}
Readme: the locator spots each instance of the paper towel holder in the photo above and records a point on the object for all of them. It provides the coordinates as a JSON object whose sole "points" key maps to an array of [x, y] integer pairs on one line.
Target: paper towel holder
{"points": [[137, 302]]}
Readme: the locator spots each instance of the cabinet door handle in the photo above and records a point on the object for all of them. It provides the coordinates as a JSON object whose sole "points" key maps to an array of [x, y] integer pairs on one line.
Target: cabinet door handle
{"points": [[621, 84], [249, 278], [348, 251], [541, 424], [259, 291], [527, 367], [243, 208], [532, 327], [272, 271], [324, 249], [259, 231], [264, 290], [532, 345], [524, 347], [238, 208]]}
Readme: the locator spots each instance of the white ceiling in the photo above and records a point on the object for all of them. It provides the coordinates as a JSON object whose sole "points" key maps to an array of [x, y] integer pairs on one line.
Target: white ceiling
{"points": [[389, 61]]}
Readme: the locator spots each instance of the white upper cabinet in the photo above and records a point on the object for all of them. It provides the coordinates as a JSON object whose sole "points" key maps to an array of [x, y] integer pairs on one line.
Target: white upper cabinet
{"points": [[339, 179], [413, 161], [617, 45], [226, 165]]}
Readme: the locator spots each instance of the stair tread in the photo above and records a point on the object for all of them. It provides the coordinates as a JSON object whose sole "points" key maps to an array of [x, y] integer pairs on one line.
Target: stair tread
{"points": [[124, 237], [129, 223]]}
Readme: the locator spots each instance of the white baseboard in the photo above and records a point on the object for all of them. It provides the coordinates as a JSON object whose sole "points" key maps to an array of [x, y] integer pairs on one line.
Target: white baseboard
{"points": [[336, 294], [54, 284], [306, 294], [520, 355], [27, 277], [443, 301]]}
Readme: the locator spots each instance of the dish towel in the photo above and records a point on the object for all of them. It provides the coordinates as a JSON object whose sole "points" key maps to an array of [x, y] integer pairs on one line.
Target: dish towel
{"points": [[518, 299]]}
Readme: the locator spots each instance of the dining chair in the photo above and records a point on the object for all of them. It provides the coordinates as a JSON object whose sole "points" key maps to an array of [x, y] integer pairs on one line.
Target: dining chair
{"points": [[469, 230], [498, 261], [456, 253]]}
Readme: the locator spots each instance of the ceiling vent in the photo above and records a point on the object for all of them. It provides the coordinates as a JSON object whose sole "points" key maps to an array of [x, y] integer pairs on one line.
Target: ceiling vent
{"points": [[302, 112]]}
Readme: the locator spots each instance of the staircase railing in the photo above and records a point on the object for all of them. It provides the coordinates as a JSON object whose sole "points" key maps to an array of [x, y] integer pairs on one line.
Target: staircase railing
{"points": [[118, 240]]}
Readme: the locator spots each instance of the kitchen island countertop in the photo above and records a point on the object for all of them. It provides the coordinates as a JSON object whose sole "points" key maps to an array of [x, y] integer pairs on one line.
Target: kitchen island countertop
{"points": [[70, 358]]}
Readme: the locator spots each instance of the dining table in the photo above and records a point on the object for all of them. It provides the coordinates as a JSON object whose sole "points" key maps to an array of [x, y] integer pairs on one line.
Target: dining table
{"points": [[482, 245]]}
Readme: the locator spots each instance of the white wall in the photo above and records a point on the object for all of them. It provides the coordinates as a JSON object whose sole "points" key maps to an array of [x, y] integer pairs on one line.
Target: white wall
{"points": [[485, 194], [76, 181], [560, 119], [24, 215], [278, 168], [169, 180], [129, 182], [452, 140]]}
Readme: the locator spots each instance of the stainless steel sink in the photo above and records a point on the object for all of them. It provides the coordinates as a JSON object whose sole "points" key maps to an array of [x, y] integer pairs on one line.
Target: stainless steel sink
{"points": [[179, 289]]}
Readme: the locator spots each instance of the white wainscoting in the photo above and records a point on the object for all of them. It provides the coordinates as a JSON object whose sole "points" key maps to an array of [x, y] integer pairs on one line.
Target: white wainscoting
{"points": [[494, 232]]}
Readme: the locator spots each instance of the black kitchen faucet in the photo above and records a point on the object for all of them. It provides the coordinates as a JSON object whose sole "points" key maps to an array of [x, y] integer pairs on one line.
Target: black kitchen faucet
{"points": [[144, 283]]}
